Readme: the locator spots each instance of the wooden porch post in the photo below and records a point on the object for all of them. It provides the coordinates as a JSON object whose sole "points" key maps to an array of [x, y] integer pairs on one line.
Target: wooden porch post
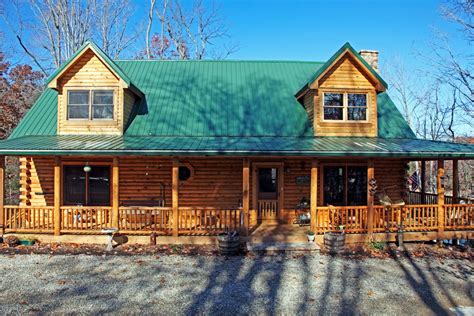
{"points": [[2, 193], [440, 189], [174, 196], [455, 181], [115, 192], [314, 194], [246, 195], [423, 182], [370, 198], [57, 196]]}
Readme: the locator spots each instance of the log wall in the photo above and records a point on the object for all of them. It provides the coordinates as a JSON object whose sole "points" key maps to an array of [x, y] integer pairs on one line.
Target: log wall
{"points": [[217, 182]]}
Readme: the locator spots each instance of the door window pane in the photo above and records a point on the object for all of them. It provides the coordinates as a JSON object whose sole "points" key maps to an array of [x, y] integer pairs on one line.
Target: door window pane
{"points": [[268, 183], [74, 185], [99, 185], [334, 185], [356, 185]]}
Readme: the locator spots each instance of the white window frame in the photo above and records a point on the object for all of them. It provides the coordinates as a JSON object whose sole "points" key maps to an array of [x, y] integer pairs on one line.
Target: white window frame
{"points": [[91, 98], [345, 106]]}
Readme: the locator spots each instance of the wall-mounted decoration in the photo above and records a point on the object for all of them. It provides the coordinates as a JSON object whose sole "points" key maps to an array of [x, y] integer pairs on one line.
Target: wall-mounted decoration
{"points": [[303, 180]]}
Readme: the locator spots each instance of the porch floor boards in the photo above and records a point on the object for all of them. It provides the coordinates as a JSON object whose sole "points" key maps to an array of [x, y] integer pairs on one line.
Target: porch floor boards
{"points": [[273, 232]]}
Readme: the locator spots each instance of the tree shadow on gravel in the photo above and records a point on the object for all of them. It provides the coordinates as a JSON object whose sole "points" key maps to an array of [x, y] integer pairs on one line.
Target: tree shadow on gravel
{"points": [[418, 279]]}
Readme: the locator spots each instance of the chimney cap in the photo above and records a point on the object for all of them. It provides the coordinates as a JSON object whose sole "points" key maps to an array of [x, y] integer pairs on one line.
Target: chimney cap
{"points": [[368, 51]]}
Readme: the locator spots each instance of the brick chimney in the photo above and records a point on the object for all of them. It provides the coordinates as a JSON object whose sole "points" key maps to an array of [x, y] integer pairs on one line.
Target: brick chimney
{"points": [[371, 57]]}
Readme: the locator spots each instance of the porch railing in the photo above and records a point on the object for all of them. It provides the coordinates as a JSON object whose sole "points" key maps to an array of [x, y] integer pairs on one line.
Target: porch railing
{"points": [[38, 219], [85, 219], [413, 218], [459, 216], [208, 221], [430, 198], [352, 218], [144, 220]]}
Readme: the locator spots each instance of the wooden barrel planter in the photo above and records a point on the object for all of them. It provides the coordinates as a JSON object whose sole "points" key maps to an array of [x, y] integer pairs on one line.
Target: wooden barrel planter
{"points": [[334, 241], [228, 243]]}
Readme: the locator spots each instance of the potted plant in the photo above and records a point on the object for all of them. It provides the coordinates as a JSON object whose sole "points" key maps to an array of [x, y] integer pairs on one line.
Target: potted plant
{"points": [[228, 242], [310, 234], [27, 241]]}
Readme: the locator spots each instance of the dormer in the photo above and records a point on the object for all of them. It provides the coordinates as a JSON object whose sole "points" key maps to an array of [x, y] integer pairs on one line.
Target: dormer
{"points": [[94, 95], [341, 98]]}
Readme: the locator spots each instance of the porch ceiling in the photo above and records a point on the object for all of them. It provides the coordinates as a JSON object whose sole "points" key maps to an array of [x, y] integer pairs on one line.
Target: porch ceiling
{"points": [[234, 146]]}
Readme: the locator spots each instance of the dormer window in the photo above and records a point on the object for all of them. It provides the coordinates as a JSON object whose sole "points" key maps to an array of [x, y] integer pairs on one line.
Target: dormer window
{"points": [[90, 104], [345, 107]]}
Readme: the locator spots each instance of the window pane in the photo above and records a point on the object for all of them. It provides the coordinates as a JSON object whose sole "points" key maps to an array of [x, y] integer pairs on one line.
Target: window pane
{"points": [[103, 97], [99, 185], [78, 111], [355, 99], [357, 114], [333, 99], [74, 185], [184, 173], [78, 97], [103, 112], [334, 185], [357, 186], [333, 113]]}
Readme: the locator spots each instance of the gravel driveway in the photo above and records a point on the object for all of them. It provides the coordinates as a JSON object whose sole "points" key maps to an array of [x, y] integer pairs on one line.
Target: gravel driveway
{"points": [[279, 284]]}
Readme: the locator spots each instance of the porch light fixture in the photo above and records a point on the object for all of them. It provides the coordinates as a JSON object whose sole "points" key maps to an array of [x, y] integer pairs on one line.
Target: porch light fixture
{"points": [[87, 168]]}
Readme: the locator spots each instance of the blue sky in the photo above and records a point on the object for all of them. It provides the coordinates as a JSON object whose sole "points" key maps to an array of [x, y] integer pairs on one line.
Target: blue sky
{"points": [[314, 30]]}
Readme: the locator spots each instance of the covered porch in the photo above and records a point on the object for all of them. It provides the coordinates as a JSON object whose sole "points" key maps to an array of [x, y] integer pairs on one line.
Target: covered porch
{"points": [[196, 196]]}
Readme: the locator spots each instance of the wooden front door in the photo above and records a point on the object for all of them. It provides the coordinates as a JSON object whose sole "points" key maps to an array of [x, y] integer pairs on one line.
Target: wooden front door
{"points": [[268, 184]]}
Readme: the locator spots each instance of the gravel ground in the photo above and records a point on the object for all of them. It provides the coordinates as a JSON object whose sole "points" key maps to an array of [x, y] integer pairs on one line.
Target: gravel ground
{"points": [[176, 284]]}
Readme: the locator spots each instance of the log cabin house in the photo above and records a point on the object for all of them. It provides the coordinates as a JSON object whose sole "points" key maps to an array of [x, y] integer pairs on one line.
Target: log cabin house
{"points": [[192, 148]]}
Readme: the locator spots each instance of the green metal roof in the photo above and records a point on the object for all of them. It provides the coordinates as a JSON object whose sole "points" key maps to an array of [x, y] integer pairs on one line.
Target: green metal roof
{"points": [[234, 146], [215, 98]]}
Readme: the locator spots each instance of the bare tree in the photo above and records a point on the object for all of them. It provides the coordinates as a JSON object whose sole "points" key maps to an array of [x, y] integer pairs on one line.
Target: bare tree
{"points": [[57, 28], [112, 19], [148, 29], [187, 33]]}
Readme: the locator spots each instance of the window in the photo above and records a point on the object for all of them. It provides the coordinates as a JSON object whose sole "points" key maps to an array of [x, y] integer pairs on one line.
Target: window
{"points": [[86, 188], [345, 106], [345, 185], [91, 104], [185, 172]]}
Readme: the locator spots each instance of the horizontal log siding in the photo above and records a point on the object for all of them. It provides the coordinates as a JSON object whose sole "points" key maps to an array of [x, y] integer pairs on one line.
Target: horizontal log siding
{"points": [[293, 192], [36, 181], [391, 174], [140, 180], [217, 183], [308, 103]]}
